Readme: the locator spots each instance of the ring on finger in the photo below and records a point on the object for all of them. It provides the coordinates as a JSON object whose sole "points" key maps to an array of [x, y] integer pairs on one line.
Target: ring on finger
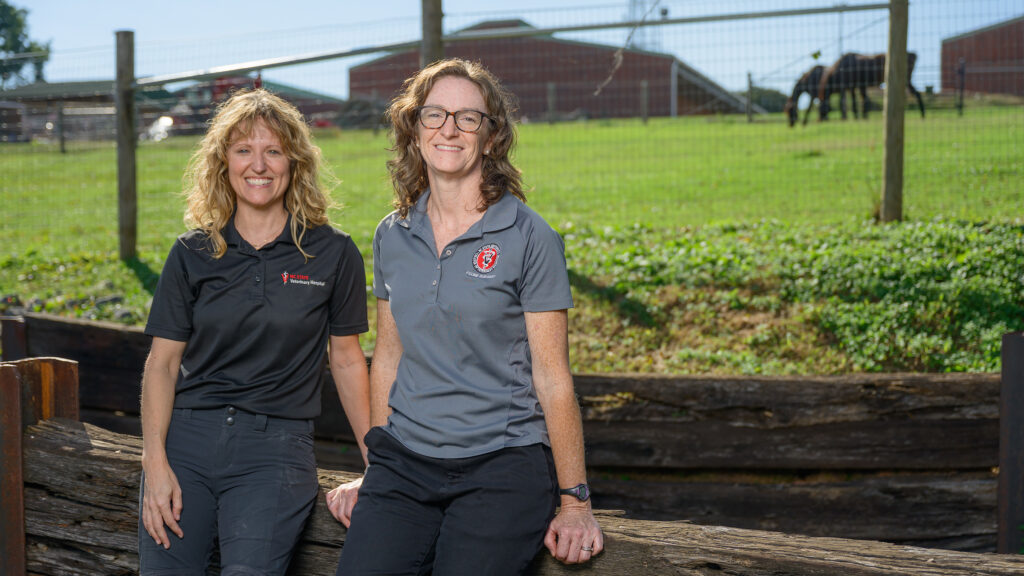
{"points": [[587, 548]]}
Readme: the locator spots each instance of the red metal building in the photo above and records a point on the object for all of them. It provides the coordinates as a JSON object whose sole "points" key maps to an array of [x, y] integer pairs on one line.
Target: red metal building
{"points": [[993, 59], [557, 79]]}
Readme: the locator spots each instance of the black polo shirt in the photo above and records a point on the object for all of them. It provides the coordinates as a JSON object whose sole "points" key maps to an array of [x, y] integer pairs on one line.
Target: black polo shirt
{"points": [[256, 321]]}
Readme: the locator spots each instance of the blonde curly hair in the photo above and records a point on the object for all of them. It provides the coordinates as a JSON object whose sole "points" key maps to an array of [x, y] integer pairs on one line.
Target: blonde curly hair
{"points": [[210, 198], [409, 172]]}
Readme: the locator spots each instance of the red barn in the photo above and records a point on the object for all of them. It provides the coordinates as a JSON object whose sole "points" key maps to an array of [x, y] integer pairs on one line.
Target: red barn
{"points": [[993, 59], [554, 78]]}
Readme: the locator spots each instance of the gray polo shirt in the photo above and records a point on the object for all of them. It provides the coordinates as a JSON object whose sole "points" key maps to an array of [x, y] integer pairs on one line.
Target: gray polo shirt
{"points": [[256, 321], [465, 380]]}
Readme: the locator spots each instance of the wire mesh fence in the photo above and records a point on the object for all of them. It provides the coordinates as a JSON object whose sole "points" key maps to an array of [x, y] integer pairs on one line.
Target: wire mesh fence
{"points": [[676, 122]]}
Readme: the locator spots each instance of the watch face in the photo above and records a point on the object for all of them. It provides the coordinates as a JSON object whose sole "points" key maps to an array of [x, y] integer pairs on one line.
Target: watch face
{"points": [[580, 491], [583, 492]]}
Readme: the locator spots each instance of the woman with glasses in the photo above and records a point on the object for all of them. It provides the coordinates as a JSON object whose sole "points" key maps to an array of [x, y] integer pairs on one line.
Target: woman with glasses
{"points": [[475, 432]]}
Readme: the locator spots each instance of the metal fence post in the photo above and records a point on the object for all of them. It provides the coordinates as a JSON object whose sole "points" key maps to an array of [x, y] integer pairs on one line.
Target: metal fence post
{"points": [[552, 102], [124, 98], [1011, 446], [60, 128], [750, 98], [645, 96], [895, 104], [961, 77]]}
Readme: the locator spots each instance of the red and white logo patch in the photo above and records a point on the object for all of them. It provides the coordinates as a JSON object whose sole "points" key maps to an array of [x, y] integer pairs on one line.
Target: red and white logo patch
{"points": [[303, 279], [486, 258]]}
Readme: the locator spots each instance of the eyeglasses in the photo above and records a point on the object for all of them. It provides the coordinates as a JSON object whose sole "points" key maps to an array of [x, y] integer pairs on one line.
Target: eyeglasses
{"points": [[469, 121]]}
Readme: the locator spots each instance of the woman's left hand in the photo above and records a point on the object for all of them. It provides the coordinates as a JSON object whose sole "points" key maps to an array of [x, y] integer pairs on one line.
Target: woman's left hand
{"points": [[342, 499], [574, 536]]}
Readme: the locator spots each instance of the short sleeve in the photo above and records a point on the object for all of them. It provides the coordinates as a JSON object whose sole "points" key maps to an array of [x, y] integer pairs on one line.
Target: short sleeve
{"points": [[545, 280], [380, 286], [170, 316], [348, 297]]}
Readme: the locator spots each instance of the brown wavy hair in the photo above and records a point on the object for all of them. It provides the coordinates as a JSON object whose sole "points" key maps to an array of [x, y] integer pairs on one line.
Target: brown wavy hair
{"points": [[409, 172], [210, 198]]}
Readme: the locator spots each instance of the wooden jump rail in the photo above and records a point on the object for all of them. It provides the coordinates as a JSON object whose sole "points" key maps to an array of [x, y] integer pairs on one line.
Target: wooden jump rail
{"points": [[71, 509]]}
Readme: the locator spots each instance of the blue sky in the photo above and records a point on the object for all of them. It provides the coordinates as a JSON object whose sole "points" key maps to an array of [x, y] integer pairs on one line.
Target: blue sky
{"points": [[182, 35]]}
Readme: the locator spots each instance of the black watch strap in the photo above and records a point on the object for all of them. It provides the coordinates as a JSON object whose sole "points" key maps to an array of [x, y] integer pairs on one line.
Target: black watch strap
{"points": [[580, 491]]}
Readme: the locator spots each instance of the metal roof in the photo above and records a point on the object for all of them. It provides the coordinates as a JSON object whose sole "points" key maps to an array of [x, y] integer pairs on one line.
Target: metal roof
{"points": [[90, 89]]}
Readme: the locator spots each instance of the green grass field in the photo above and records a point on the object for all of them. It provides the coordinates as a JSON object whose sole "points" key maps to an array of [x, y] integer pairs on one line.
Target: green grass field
{"points": [[759, 196], [670, 172]]}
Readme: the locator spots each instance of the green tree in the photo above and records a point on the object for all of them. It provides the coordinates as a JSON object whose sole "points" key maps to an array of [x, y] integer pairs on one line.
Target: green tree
{"points": [[767, 98], [16, 49]]}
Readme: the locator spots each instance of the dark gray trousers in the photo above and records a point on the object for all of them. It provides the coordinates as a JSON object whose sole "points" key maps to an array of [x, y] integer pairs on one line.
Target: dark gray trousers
{"points": [[247, 480]]}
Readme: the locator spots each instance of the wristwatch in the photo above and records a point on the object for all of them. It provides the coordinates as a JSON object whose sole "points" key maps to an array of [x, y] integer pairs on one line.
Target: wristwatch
{"points": [[580, 491]]}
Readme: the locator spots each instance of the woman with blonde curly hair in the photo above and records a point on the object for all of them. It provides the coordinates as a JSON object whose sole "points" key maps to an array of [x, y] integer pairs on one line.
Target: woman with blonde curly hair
{"points": [[476, 436], [247, 303]]}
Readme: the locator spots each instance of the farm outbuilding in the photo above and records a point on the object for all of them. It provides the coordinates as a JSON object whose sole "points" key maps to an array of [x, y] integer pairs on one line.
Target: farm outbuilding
{"points": [[557, 79], [82, 110], [993, 59], [86, 109], [195, 103], [13, 122]]}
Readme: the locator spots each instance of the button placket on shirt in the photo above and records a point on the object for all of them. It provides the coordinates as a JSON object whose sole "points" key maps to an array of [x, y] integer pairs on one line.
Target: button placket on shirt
{"points": [[438, 269], [259, 277]]}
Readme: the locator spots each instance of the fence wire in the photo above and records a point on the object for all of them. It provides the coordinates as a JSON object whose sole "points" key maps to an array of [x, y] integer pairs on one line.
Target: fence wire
{"points": [[688, 129]]}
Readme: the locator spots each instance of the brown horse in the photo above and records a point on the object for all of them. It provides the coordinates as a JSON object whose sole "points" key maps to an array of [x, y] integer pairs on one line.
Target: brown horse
{"points": [[857, 72], [809, 83]]}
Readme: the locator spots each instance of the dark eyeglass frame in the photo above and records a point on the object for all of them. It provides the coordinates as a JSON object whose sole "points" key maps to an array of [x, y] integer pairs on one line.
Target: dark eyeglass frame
{"points": [[455, 116]]}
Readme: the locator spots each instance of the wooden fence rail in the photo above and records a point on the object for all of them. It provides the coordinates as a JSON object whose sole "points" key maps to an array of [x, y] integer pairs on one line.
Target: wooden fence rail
{"points": [[858, 422], [904, 458], [81, 495]]}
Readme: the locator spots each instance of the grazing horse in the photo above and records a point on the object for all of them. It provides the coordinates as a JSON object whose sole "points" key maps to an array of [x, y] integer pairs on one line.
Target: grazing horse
{"points": [[857, 72], [809, 83]]}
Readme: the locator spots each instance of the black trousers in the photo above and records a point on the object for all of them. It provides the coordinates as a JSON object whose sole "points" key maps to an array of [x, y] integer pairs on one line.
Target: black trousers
{"points": [[483, 515], [246, 479]]}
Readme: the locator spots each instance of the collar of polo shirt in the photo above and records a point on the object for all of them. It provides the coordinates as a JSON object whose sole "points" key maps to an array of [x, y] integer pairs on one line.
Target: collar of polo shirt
{"points": [[233, 238], [498, 216]]}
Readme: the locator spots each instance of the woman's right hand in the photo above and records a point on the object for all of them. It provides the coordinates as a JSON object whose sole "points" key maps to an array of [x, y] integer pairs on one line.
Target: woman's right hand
{"points": [[161, 503], [342, 499]]}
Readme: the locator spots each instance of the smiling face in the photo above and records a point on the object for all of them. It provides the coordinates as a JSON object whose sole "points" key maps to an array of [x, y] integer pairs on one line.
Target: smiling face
{"points": [[448, 152], [258, 169]]}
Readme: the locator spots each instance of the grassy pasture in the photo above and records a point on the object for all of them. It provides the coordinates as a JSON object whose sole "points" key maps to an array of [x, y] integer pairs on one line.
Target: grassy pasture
{"points": [[759, 196]]}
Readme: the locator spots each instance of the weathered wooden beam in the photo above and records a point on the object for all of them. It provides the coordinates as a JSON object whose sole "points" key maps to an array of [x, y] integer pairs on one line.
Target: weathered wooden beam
{"points": [[431, 18], [857, 422], [30, 390], [891, 209], [952, 511], [82, 496], [110, 356], [1011, 446], [12, 504], [124, 100], [13, 339]]}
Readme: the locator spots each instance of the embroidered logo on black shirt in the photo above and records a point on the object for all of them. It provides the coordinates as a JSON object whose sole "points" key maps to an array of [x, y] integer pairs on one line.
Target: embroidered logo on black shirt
{"points": [[299, 279]]}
